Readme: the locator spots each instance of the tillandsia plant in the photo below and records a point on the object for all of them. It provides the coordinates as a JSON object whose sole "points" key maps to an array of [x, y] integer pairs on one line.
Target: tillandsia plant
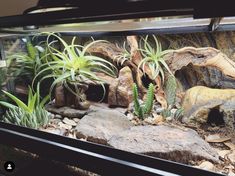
{"points": [[142, 110], [153, 57], [26, 65], [74, 66], [31, 115], [124, 55]]}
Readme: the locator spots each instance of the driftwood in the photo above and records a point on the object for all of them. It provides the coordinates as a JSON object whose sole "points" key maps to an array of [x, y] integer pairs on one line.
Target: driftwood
{"points": [[112, 53], [136, 59], [202, 66]]}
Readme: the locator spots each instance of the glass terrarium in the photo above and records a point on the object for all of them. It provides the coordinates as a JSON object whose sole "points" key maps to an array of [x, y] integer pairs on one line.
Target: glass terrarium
{"points": [[162, 87]]}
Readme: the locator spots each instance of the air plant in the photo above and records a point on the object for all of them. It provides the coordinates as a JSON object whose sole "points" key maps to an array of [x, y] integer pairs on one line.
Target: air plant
{"points": [[26, 65], [141, 110], [124, 55], [31, 114], [74, 66], [153, 57]]}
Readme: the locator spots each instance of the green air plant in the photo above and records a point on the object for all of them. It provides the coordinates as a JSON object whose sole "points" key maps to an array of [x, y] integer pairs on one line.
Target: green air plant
{"points": [[153, 57], [142, 110], [26, 65], [74, 66], [31, 115]]}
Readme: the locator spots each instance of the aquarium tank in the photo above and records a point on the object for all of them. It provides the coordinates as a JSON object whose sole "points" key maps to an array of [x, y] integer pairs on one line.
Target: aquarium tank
{"points": [[158, 86]]}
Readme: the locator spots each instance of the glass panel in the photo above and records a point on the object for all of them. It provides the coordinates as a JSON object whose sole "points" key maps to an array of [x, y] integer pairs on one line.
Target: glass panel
{"points": [[167, 96], [25, 163]]}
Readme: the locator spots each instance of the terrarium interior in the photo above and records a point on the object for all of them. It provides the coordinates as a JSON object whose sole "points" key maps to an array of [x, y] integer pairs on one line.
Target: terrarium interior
{"points": [[164, 95]]}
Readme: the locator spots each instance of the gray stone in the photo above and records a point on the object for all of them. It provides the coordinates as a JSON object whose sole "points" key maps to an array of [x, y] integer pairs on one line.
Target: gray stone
{"points": [[66, 111], [99, 126], [58, 116], [177, 144], [97, 106]]}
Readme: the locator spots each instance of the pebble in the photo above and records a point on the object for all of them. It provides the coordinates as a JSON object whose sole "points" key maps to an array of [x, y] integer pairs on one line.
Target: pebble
{"points": [[65, 126], [69, 122], [76, 120], [130, 116], [231, 157], [58, 116], [206, 165], [223, 153]]}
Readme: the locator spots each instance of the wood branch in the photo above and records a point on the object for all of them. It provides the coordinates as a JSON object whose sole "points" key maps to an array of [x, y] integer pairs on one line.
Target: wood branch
{"points": [[136, 58], [202, 66], [203, 57]]}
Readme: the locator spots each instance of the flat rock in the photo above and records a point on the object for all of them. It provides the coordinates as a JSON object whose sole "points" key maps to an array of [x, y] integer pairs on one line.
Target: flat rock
{"points": [[99, 126], [66, 111], [201, 101], [180, 145]]}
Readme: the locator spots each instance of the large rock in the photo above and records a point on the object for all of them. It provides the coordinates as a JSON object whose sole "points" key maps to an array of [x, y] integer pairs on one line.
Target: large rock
{"points": [[202, 66], [99, 126], [120, 91], [181, 145], [199, 102]]}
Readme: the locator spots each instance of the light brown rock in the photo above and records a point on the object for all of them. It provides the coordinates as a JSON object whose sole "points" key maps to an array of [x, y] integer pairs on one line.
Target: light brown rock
{"points": [[206, 165], [231, 157], [200, 100], [120, 92]]}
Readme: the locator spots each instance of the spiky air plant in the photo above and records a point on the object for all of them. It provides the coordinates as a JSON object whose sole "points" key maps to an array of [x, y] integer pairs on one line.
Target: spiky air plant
{"points": [[75, 66], [26, 65], [153, 57], [124, 55], [142, 110], [31, 115]]}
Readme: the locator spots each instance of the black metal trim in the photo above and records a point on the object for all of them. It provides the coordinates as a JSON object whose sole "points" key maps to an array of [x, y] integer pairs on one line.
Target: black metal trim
{"points": [[72, 16], [105, 160]]}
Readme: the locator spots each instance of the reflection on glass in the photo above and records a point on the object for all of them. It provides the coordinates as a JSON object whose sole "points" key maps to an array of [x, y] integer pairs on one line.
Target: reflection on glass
{"points": [[161, 95]]}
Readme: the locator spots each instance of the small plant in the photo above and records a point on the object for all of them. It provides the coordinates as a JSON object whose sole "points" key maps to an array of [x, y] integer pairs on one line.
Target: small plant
{"points": [[26, 65], [31, 114], [154, 58], [124, 56], [142, 110], [74, 66], [170, 90], [19, 116], [166, 113], [177, 115]]}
